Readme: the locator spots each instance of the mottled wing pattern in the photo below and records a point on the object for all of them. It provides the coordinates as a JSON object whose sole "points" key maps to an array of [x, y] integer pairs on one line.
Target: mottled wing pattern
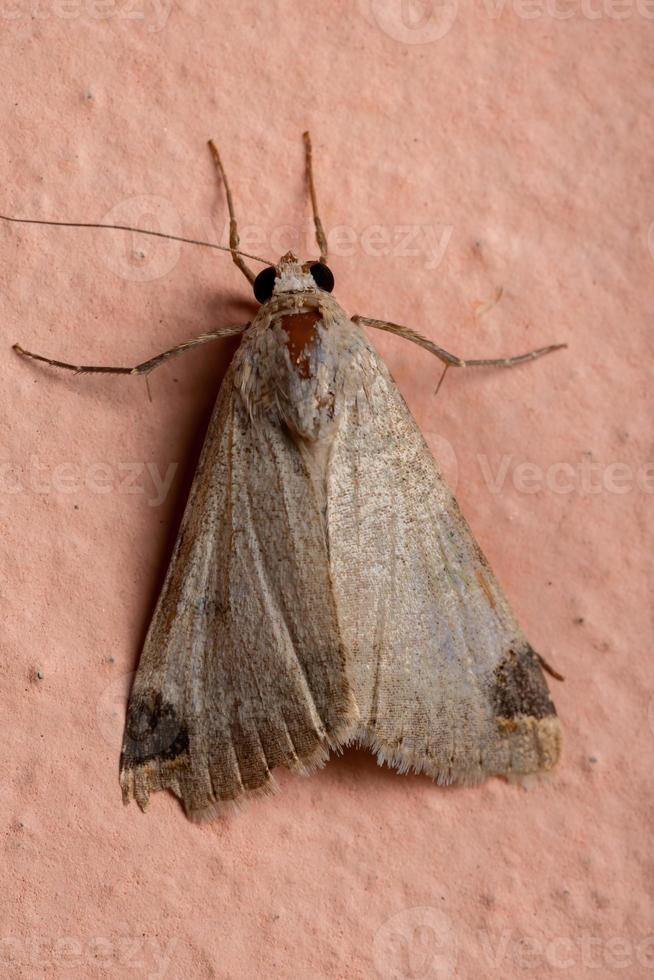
{"points": [[243, 668], [445, 681]]}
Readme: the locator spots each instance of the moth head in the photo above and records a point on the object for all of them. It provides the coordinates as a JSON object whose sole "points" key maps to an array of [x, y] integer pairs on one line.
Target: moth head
{"points": [[290, 275]]}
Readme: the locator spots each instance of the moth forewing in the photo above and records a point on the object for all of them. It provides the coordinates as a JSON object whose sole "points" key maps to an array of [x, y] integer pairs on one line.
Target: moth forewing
{"points": [[445, 681], [243, 668]]}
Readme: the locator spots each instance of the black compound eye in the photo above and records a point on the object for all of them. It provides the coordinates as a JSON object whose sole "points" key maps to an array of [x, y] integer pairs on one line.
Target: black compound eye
{"points": [[322, 276], [264, 284]]}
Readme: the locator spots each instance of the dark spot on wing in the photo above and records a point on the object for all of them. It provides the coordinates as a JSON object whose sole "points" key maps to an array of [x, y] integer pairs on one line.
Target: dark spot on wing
{"points": [[520, 687], [153, 731]]}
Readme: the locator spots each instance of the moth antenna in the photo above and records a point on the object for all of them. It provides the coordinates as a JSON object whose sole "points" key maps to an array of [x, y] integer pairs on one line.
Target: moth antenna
{"points": [[321, 238], [138, 231], [233, 224]]}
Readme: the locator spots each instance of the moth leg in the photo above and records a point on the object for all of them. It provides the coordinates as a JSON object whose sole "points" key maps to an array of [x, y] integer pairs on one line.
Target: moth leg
{"points": [[416, 338], [452, 360], [234, 240], [321, 238], [146, 366]]}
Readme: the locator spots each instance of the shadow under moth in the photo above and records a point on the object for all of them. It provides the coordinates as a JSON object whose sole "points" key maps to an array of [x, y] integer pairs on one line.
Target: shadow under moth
{"points": [[324, 589]]}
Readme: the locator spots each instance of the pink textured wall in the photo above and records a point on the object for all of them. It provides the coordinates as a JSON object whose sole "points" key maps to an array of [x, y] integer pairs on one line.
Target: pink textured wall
{"points": [[514, 142]]}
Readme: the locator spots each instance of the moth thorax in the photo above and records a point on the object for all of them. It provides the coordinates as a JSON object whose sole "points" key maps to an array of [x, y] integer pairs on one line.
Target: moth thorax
{"points": [[303, 339]]}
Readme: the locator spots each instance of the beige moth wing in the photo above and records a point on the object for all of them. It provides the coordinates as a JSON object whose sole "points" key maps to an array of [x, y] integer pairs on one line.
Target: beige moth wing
{"points": [[242, 668], [445, 681]]}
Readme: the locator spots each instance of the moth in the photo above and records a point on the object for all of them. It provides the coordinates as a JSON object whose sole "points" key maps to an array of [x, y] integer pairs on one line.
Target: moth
{"points": [[324, 589]]}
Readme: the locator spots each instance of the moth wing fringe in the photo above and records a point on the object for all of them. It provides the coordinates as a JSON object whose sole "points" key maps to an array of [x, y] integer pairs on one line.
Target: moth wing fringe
{"points": [[221, 809], [139, 781], [537, 749]]}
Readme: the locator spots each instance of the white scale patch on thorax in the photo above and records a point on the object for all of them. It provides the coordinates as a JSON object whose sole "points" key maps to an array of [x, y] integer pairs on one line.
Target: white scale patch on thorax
{"points": [[293, 279]]}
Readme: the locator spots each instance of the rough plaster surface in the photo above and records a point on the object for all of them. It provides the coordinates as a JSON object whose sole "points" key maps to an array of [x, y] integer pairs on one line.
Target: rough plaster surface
{"points": [[519, 137]]}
